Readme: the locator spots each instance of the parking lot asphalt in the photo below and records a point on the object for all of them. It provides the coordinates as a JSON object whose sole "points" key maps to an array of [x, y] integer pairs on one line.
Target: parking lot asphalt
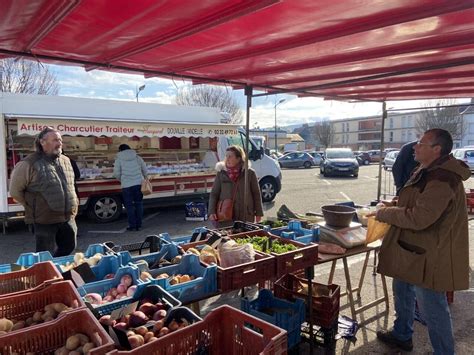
{"points": [[303, 190]]}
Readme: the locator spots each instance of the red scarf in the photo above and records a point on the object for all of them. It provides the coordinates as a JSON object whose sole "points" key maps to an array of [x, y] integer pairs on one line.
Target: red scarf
{"points": [[234, 172]]}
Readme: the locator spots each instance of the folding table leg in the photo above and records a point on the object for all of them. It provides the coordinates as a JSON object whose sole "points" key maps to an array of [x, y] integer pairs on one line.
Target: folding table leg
{"points": [[385, 292], [362, 274], [331, 273], [349, 288]]}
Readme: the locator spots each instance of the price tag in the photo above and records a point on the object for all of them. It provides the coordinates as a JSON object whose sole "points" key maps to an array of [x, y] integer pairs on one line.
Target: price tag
{"points": [[119, 313]]}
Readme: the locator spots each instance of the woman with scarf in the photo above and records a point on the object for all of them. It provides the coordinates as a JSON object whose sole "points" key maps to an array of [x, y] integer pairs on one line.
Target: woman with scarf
{"points": [[229, 184]]}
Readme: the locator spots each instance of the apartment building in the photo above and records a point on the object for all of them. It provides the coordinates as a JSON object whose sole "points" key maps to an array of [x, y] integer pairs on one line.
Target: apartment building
{"points": [[363, 133]]}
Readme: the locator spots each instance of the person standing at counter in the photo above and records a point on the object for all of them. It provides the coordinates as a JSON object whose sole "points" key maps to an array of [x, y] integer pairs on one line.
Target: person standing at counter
{"points": [[426, 249], [44, 184], [130, 170], [229, 185]]}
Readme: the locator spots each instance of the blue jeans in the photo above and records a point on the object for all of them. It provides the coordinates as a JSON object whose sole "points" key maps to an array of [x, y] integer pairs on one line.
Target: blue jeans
{"points": [[133, 201], [434, 309]]}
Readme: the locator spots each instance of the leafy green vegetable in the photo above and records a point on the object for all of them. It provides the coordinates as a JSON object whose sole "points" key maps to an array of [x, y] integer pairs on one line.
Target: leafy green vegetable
{"points": [[264, 244]]}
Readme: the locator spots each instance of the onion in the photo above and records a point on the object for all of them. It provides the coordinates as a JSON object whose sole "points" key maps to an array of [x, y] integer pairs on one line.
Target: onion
{"points": [[122, 288], [137, 319], [131, 290], [93, 298]]}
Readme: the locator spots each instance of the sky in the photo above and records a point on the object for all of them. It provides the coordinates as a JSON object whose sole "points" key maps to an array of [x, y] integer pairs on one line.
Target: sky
{"points": [[75, 81]]}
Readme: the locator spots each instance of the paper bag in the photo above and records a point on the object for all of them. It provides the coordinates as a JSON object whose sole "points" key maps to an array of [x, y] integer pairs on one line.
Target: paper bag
{"points": [[147, 189], [375, 230]]}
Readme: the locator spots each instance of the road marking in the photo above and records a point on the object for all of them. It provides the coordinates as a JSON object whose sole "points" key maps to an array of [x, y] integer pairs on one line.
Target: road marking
{"points": [[327, 182], [345, 196], [123, 230], [370, 177]]}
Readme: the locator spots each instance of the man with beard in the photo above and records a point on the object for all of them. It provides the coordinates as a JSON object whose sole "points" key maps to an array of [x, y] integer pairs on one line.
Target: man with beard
{"points": [[44, 184]]}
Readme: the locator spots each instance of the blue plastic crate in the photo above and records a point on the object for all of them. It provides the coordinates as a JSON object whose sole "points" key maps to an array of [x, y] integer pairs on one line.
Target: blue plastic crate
{"points": [[103, 286], [167, 251], [204, 284], [182, 239], [108, 308], [29, 259], [296, 232], [287, 315]]}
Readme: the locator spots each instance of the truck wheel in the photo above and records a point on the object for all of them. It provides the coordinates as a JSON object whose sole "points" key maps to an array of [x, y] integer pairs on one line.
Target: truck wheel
{"points": [[268, 189], [105, 209]]}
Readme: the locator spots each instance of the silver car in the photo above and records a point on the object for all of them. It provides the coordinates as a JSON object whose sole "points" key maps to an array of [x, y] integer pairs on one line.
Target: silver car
{"points": [[466, 155], [296, 160], [390, 159]]}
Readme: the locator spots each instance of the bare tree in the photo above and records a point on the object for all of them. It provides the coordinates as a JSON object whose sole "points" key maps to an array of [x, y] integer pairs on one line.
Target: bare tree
{"points": [[447, 118], [324, 133], [210, 96], [26, 76]]}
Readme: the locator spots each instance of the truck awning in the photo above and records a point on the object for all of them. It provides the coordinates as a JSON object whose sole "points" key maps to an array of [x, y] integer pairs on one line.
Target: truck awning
{"points": [[32, 125]]}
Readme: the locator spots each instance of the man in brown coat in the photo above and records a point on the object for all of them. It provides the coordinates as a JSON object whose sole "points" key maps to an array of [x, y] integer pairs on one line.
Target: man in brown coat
{"points": [[426, 250], [44, 184]]}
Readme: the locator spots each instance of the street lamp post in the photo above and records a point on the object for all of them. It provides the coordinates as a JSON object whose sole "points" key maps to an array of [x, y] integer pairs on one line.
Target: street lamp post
{"points": [[140, 89], [275, 107]]}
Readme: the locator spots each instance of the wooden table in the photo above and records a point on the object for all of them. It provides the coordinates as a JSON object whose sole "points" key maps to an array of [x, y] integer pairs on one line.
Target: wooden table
{"points": [[325, 258]]}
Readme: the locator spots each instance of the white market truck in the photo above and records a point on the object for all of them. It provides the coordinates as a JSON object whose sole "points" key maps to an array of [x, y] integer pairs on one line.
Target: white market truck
{"points": [[179, 144]]}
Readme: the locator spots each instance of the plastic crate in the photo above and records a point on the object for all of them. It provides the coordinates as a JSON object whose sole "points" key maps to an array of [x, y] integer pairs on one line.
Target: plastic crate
{"points": [[325, 305], [204, 284], [108, 308], [27, 260], [150, 244], [167, 251], [21, 306], [46, 338], [225, 330], [238, 276], [238, 227], [29, 279], [103, 286], [185, 238], [286, 315], [296, 232], [295, 260], [322, 336]]}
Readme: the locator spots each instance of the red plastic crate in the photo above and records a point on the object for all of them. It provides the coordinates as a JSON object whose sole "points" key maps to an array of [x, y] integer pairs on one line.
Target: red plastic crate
{"points": [[46, 338], [305, 256], [238, 276], [28, 279], [225, 330], [325, 306], [21, 306]]}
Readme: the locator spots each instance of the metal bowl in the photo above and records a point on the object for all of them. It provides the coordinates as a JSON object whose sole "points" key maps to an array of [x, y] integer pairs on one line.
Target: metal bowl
{"points": [[337, 215]]}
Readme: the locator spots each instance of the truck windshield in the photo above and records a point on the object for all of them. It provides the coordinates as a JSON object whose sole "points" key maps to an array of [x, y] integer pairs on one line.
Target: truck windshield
{"points": [[339, 154]]}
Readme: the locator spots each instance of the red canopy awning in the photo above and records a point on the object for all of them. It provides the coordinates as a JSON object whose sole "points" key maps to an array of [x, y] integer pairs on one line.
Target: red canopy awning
{"points": [[355, 50]]}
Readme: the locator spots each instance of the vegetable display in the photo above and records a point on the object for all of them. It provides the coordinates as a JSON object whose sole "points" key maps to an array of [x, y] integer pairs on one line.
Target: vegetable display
{"points": [[124, 289], [266, 245], [76, 344], [79, 258], [49, 312]]}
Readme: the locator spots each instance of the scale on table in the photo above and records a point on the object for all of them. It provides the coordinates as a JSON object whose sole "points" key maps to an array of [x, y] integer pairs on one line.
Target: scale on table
{"points": [[348, 237]]}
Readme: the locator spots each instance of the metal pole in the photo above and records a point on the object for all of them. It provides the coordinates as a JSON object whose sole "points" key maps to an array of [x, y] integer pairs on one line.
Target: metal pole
{"points": [[382, 141], [276, 144], [248, 93]]}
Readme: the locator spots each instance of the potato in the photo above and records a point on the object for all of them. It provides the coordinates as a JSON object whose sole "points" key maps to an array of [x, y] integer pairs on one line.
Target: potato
{"points": [[62, 351], [148, 336], [141, 330], [83, 338], [163, 331], [87, 347], [6, 324], [152, 339], [75, 352], [29, 321], [19, 325], [73, 342], [2, 332], [51, 314], [173, 325], [59, 307], [37, 316], [135, 341]]}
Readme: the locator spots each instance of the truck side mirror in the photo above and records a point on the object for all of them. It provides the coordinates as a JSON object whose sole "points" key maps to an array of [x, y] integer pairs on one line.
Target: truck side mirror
{"points": [[256, 154]]}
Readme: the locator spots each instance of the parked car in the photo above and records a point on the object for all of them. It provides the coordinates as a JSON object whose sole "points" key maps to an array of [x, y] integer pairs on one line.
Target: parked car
{"points": [[374, 156], [363, 158], [318, 158], [297, 160], [466, 155], [390, 159], [339, 161]]}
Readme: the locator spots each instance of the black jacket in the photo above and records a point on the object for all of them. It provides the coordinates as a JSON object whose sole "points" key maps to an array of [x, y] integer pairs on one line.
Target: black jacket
{"points": [[404, 165]]}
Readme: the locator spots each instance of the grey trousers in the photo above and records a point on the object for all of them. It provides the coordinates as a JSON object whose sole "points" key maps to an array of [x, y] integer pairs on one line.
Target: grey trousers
{"points": [[57, 238]]}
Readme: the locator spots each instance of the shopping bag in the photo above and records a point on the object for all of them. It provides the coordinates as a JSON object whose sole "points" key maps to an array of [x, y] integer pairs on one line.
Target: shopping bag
{"points": [[146, 188], [375, 230]]}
